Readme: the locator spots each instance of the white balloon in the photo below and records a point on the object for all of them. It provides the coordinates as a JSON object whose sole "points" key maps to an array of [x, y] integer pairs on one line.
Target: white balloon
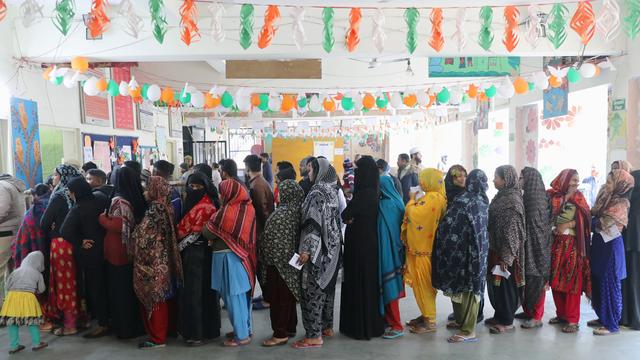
{"points": [[154, 93], [244, 103], [124, 88], [275, 103], [423, 98], [197, 98], [357, 101], [541, 80], [69, 80], [314, 104], [588, 70], [396, 100], [455, 96], [506, 89], [90, 87]]}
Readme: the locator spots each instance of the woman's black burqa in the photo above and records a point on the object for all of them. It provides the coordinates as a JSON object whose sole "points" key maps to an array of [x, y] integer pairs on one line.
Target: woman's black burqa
{"points": [[360, 316], [631, 285]]}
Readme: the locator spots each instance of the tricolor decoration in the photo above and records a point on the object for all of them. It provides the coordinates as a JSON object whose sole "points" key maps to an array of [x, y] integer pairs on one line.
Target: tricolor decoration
{"points": [[511, 32], [132, 23], [557, 23], [327, 29], [31, 12], [217, 31], [608, 23], [352, 38], [3, 10], [246, 25], [533, 26], [485, 37], [460, 35], [584, 22], [63, 15], [632, 20], [268, 32], [299, 37], [158, 19], [379, 36], [189, 22], [437, 39], [411, 18], [98, 19]]}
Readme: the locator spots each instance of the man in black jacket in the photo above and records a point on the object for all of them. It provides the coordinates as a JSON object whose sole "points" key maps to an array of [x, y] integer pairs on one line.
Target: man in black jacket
{"points": [[97, 179], [408, 176], [306, 183]]}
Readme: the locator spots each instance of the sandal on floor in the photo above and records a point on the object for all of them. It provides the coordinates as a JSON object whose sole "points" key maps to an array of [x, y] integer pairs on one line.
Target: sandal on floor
{"points": [[236, 343], [556, 321], [40, 346], [275, 342], [571, 328], [47, 327], [501, 329], [64, 332], [452, 325], [328, 333], [531, 324], [302, 344], [16, 350], [416, 321], [594, 323], [423, 328], [603, 331], [457, 338], [392, 334]]}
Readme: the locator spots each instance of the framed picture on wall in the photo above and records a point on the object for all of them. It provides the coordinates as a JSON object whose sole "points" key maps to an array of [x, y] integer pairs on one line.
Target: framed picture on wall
{"points": [[95, 110], [146, 117], [175, 122]]}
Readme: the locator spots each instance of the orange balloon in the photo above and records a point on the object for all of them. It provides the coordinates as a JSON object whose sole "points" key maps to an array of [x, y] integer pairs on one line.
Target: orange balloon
{"points": [[255, 100], [410, 100], [101, 85], [216, 102], [482, 96], [135, 92], [47, 73], [368, 102], [432, 100], [288, 103], [521, 85], [554, 81], [473, 91], [138, 100], [597, 71], [80, 64], [329, 105], [167, 95]]}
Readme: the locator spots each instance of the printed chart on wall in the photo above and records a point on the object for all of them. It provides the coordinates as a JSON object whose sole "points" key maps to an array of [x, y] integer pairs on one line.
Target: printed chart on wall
{"points": [[95, 109], [122, 105], [27, 160], [146, 119], [618, 124], [324, 149], [52, 148]]}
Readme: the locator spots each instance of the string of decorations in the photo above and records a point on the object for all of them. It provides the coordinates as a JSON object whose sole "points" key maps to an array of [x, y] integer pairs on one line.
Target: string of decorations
{"points": [[158, 19], [632, 20], [556, 32], [584, 22], [299, 37], [189, 22], [268, 32], [217, 31], [327, 29], [352, 38], [379, 35], [485, 37], [511, 33], [98, 19], [411, 18], [246, 25], [437, 39], [63, 15], [131, 22]]}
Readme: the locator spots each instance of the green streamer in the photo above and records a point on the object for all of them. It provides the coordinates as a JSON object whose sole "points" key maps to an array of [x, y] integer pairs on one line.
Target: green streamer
{"points": [[246, 25], [556, 31], [158, 19], [631, 22], [411, 17], [485, 37], [63, 15], [327, 31]]}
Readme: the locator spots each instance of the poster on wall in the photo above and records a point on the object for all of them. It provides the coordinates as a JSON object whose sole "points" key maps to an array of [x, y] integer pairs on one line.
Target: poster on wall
{"points": [[175, 122], [51, 144], [161, 142], [146, 119], [102, 155], [482, 117], [527, 118], [122, 105], [617, 129], [474, 66], [556, 101], [94, 110], [324, 149], [27, 157], [127, 149]]}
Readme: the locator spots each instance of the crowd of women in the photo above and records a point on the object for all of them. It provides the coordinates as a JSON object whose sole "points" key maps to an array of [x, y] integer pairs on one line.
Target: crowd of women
{"points": [[137, 256]]}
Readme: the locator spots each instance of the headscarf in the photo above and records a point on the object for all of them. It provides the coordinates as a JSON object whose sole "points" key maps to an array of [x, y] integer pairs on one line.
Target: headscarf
{"points": [[539, 238], [66, 172], [80, 188], [205, 169], [128, 187], [235, 224], [431, 180], [390, 246], [451, 188], [281, 235], [157, 268], [557, 193], [460, 253], [303, 166], [612, 208], [321, 227], [622, 165], [367, 175], [194, 196], [507, 225], [30, 236]]}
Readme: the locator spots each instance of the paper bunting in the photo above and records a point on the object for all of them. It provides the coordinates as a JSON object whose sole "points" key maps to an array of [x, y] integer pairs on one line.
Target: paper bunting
{"points": [[485, 37], [460, 35], [98, 19], [297, 17], [327, 30], [379, 36], [608, 23], [268, 32], [189, 22], [217, 12], [556, 30], [132, 23], [533, 26], [411, 17], [158, 19], [632, 20], [437, 39], [246, 25], [3, 10], [511, 32], [352, 38], [584, 22], [31, 12], [63, 15]]}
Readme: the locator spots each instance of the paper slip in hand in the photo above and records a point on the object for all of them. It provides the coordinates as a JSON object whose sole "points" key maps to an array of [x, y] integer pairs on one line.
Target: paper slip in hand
{"points": [[610, 234], [497, 271], [567, 232], [294, 262]]}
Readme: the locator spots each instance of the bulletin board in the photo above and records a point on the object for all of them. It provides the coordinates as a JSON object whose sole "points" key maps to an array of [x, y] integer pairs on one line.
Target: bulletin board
{"points": [[296, 149]]}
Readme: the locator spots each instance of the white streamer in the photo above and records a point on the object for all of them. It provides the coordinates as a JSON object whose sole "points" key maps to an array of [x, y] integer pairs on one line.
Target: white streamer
{"points": [[533, 26], [30, 10], [297, 15], [132, 22], [609, 20], [460, 35], [379, 36], [217, 31]]}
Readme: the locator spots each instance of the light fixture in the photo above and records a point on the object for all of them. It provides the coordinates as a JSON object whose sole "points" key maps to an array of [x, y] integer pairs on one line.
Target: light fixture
{"points": [[409, 70]]}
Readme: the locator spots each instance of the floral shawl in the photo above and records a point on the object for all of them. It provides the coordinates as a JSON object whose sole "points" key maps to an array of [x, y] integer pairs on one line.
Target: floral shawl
{"points": [[66, 172], [30, 236], [612, 208]]}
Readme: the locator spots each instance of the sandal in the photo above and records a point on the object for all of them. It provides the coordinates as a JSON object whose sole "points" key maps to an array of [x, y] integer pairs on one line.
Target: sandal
{"points": [[501, 329], [571, 328], [64, 332], [236, 343], [603, 331], [275, 342], [458, 338], [392, 334], [531, 324], [416, 321], [303, 344], [426, 327], [16, 350], [328, 333], [452, 325], [40, 346], [594, 323], [557, 320], [48, 326]]}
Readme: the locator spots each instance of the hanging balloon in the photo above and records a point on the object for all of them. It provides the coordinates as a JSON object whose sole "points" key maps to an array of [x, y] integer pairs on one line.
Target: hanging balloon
{"points": [[588, 70], [90, 87], [423, 98], [396, 100], [382, 102], [264, 102], [226, 100], [167, 95], [506, 89], [68, 80], [368, 102], [243, 102], [444, 96], [288, 103], [153, 92], [410, 100], [47, 73], [472, 91], [144, 92], [329, 104], [275, 103], [541, 80], [455, 97], [490, 92], [347, 104], [255, 100], [554, 82], [314, 104], [80, 64], [102, 85], [124, 88], [532, 86], [302, 101], [197, 99], [573, 75], [185, 97], [357, 101], [113, 88], [135, 93], [520, 85]]}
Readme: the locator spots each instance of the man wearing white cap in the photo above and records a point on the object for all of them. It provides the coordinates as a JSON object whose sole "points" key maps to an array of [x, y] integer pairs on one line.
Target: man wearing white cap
{"points": [[416, 158]]}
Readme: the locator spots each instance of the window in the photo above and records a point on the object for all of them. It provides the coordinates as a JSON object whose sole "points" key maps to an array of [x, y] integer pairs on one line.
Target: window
{"points": [[240, 143]]}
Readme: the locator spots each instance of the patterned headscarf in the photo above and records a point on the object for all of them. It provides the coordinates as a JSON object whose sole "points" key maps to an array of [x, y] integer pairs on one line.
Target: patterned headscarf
{"points": [[66, 172], [622, 165], [159, 191], [452, 189], [612, 208], [431, 180]]}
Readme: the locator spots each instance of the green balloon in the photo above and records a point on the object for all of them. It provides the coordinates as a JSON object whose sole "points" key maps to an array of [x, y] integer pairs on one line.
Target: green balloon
{"points": [[227, 100], [490, 92], [113, 88], [465, 98], [143, 92], [59, 80], [444, 96], [573, 75], [382, 102], [532, 86], [302, 102], [186, 98], [264, 102], [176, 96], [347, 104]]}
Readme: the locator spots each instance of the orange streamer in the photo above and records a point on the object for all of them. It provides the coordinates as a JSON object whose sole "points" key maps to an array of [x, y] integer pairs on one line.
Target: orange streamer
{"points": [[511, 37], [189, 22], [268, 31], [353, 33], [3, 10], [98, 19], [584, 21], [437, 39]]}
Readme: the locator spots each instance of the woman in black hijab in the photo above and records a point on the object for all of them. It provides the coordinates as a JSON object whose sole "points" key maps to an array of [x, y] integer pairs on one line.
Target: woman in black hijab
{"points": [[360, 315], [631, 285]]}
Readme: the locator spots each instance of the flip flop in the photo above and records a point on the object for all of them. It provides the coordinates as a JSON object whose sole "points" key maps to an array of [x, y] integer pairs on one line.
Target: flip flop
{"points": [[557, 320], [236, 343], [497, 330], [531, 324], [455, 339], [40, 346], [452, 325], [273, 342], [393, 334], [301, 344], [603, 331], [16, 350], [571, 329], [594, 323]]}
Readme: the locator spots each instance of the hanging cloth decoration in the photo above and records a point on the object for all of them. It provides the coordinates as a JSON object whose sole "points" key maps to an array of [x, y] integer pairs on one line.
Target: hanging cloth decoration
{"points": [[608, 23], [246, 25], [30, 11], [132, 23], [158, 19], [556, 31], [352, 38], [460, 35], [189, 22], [485, 37], [327, 30], [437, 39], [297, 16], [3, 10], [511, 36], [217, 31], [98, 19], [533, 26], [379, 36], [411, 18], [63, 15], [632, 20], [271, 16], [584, 22]]}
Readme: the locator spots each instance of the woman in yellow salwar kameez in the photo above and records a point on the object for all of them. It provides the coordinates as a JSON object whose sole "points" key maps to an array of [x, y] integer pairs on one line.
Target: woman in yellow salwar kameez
{"points": [[421, 218]]}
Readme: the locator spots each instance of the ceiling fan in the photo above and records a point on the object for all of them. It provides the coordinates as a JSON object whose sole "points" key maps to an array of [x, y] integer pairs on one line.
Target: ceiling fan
{"points": [[375, 62]]}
